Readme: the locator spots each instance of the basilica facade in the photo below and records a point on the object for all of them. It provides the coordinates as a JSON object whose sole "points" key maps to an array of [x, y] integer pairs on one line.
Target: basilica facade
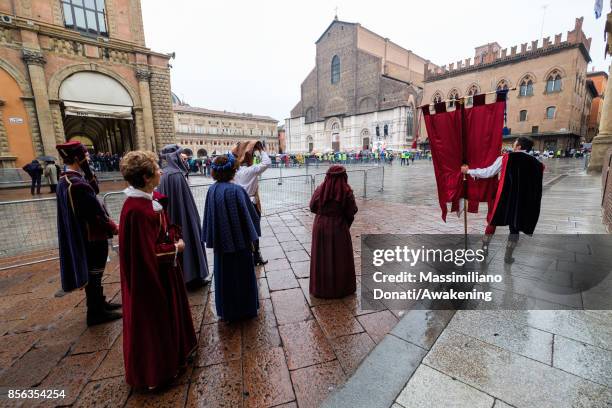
{"points": [[362, 94]]}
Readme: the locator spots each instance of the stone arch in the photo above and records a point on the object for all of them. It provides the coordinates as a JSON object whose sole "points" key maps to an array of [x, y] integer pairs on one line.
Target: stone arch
{"points": [[21, 80], [527, 75], [56, 80], [333, 124], [454, 94], [366, 139], [202, 153], [437, 97], [554, 69], [18, 141], [111, 134], [503, 82], [309, 144], [473, 89], [366, 104]]}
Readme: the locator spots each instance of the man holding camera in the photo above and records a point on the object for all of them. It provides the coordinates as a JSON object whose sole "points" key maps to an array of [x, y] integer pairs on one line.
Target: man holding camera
{"points": [[247, 177]]}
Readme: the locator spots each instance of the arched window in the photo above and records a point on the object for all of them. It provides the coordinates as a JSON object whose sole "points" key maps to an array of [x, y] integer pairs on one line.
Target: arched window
{"points": [[310, 143], [335, 126], [453, 95], [309, 115], [365, 139], [437, 97], [526, 88], [502, 85], [472, 90], [522, 116], [553, 83], [550, 112], [409, 121], [335, 70]]}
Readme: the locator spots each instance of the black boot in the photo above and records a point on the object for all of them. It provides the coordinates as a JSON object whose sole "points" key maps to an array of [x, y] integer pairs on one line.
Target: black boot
{"points": [[257, 258], [96, 311], [111, 305], [486, 240], [509, 251]]}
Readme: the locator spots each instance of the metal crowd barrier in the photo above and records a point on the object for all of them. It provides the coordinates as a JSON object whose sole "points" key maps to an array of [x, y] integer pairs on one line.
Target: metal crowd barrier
{"points": [[28, 226]]}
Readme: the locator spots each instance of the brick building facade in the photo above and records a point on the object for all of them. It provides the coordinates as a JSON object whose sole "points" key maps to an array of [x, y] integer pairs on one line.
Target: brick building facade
{"points": [[549, 97], [209, 132], [361, 94], [73, 69]]}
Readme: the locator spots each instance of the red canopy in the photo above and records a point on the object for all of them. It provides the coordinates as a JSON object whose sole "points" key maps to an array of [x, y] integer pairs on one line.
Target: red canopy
{"points": [[471, 136]]}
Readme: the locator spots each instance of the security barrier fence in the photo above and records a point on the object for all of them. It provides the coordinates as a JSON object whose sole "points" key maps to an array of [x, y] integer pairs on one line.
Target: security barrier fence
{"points": [[28, 226]]}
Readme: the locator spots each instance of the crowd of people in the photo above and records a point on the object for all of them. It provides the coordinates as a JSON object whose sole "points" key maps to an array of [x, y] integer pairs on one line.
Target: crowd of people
{"points": [[105, 161], [163, 241]]}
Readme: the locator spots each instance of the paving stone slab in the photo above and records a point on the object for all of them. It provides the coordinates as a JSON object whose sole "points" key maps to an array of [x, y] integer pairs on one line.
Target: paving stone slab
{"points": [[583, 360], [381, 376], [422, 327], [510, 377], [429, 388], [580, 325], [504, 333], [501, 404]]}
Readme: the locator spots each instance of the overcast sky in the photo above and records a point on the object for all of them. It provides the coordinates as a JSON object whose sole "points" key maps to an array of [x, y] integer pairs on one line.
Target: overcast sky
{"points": [[252, 55]]}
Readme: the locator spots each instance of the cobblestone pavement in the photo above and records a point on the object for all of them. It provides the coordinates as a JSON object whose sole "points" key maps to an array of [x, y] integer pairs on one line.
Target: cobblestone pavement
{"points": [[301, 350]]}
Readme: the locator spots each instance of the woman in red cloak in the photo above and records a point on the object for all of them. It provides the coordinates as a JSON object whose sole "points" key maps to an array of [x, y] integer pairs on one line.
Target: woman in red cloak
{"points": [[332, 269], [158, 334]]}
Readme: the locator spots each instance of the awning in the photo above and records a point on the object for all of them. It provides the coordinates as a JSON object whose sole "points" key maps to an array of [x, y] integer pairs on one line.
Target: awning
{"points": [[97, 111]]}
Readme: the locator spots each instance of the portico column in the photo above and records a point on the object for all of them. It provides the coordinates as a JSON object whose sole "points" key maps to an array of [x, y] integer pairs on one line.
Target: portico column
{"points": [[35, 61], [603, 141], [143, 77]]}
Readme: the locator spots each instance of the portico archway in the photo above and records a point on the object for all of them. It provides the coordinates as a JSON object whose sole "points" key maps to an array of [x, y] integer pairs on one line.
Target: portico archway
{"points": [[97, 107]]}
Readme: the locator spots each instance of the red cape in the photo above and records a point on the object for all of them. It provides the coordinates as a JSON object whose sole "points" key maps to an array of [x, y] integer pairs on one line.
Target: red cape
{"points": [[158, 333]]}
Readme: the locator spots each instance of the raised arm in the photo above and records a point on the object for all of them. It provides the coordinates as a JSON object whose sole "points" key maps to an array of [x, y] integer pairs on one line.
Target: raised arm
{"points": [[486, 172]]}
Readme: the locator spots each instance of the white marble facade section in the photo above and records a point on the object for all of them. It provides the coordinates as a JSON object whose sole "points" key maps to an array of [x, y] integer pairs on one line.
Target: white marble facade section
{"points": [[351, 131]]}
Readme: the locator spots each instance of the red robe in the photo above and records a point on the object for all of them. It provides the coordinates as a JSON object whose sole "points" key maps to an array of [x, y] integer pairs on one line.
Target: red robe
{"points": [[332, 268], [158, 334]]}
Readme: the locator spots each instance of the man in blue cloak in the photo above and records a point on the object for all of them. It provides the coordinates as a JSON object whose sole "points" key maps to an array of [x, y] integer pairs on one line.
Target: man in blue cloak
{"points": [[83, 227], [183, 212]]}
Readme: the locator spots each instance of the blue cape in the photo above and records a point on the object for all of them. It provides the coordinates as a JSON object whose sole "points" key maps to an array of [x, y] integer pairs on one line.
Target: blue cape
{"points": [[73, 258], [230, 222]]}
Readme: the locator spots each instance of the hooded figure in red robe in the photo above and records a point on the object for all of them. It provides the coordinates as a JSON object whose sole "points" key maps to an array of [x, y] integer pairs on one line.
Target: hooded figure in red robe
{"points": [[332, 268], [158, 333]]}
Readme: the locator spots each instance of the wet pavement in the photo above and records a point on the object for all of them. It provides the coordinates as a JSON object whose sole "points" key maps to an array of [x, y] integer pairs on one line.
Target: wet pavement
{"points": [[301, 350]]}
